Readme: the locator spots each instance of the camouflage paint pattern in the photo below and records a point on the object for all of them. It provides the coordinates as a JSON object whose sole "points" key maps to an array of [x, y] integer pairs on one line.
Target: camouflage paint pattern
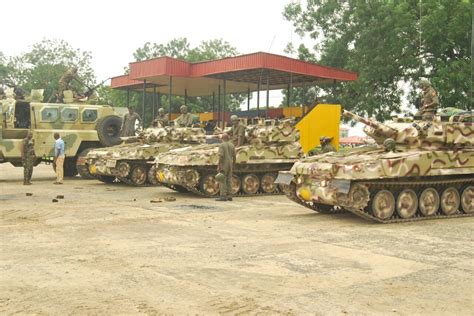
{"points": [[75, 122], [116, 161], [267, 148], [424, 150]]}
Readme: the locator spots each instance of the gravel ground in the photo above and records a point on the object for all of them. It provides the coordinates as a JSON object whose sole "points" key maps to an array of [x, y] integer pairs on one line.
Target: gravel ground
{"points": [[105, 249]]}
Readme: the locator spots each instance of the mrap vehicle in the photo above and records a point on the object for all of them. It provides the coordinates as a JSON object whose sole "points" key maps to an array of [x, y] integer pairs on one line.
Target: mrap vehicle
{"points": [[82, 127]]}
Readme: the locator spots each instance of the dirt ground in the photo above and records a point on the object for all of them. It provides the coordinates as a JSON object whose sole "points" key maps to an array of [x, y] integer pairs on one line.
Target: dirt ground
{"points": [[106, 249]]}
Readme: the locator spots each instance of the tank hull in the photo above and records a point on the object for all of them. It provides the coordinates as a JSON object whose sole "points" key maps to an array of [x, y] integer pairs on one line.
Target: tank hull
{"points": [[387, 187], [254, 172]]}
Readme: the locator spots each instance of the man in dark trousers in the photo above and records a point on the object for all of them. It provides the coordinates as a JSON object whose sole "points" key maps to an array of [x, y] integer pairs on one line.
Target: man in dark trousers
{"points": [[224, 168]]}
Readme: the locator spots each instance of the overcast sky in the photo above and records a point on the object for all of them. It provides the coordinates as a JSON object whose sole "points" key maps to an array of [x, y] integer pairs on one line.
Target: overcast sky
{"points": [[113, 30]]}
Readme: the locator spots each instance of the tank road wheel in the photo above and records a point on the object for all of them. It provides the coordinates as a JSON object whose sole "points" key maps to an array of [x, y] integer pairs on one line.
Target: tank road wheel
{"points": [[429, 202], [138, 175], [209, 185], [250, 183], [235, 184], [383, 204], [123, 169], [407, 203], [153, 176], [450, 201], [268, 183], [467, 200]]}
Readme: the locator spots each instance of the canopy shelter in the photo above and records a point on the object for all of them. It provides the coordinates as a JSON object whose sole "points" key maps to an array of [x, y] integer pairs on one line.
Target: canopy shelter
{"points": [[239, 74]]}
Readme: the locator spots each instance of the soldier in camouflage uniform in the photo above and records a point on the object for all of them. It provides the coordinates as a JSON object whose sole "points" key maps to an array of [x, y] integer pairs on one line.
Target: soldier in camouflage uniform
{"points": [[225, 168], [161, 118], [237, 132], [326, 145], [185, 119], [64, 81], [28, 157], [429, 100]]}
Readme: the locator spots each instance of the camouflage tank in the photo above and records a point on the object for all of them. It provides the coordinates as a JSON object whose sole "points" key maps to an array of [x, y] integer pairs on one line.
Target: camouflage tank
{"points": [[132, 162], [417, 170], [82, 126], [270, 147]]}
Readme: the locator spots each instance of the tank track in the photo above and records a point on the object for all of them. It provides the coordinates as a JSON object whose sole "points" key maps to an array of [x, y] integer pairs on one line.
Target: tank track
{"points": [[415, 185], [290, 193]]}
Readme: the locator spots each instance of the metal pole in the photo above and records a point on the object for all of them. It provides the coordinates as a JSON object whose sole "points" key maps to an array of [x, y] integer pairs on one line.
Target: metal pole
{"points": [[248, 99], [258, 98], [158, 96], [143, 102], [268, 94], [185, 96], [154, 101], [128, 97], [213, 101], [304, 98], [218, 105], [291, 87], [169, 97], [288, 96], [224, 109]]}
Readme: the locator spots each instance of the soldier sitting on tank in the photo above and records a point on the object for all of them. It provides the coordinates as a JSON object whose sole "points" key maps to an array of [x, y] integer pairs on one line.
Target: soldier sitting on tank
{"points": [[429, 100], [161, 118], [64, 82], [237, 132], [326, 145], [185, 119]]}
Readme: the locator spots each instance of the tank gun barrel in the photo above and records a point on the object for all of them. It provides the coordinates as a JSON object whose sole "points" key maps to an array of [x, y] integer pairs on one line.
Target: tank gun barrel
{"points": [[378, 127]]}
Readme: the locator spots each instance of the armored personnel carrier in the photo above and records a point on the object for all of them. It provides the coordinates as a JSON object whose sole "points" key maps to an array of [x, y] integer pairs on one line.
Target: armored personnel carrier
{"points": [[82, 127], [417, 170], [270, 147], [132, 162]]}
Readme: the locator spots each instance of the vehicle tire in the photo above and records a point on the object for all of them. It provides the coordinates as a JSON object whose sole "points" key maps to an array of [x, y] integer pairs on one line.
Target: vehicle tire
{"points": [[83, 168], [108, 130], [70, 167]]}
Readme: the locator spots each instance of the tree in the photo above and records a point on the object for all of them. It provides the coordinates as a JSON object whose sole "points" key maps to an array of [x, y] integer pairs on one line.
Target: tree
{"points": [[390, 44], [43, 66], [180, 48]]}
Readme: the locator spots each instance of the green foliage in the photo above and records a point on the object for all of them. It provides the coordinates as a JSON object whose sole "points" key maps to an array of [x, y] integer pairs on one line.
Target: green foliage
{"points": [[44, 64], [390, 44]]}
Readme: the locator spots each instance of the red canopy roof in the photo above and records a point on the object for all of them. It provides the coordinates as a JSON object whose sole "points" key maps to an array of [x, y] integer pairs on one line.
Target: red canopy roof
{"points": [[241, 73]]}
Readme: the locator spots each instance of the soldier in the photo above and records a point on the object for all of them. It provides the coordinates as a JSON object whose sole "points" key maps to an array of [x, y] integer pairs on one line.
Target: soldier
{"points": [[224, 168], [28, 157], [128, 123], [59, 158], [185, 119], [326, 145], [429, 100], [64, 81], [237, 132], [161, 118]]}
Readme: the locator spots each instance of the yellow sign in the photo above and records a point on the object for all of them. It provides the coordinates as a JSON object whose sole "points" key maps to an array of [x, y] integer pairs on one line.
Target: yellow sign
{"points": [[323, 120]]}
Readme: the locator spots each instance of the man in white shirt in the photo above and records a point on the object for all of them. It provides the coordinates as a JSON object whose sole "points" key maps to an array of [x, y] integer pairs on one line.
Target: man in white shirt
{"points": [[59, 158]]}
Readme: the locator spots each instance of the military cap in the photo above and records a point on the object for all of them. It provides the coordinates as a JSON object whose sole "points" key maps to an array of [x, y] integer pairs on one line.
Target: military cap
{"points": [[234, 118]]}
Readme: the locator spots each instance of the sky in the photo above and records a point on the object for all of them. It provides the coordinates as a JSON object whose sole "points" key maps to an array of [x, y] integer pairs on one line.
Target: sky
{"points": [[113, 30]]}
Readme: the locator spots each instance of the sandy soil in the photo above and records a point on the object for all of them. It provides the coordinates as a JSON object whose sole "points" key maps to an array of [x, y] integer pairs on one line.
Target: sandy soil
{"points": [[106, 249]]}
